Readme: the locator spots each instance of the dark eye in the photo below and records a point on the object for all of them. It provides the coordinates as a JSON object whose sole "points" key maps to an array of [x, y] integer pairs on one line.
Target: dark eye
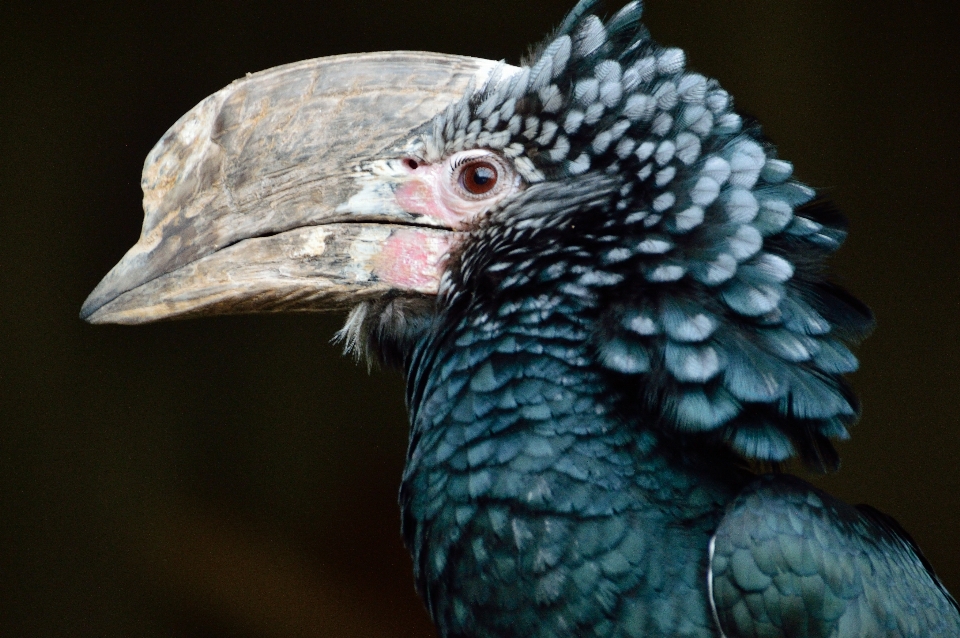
{"points": [[478, 178]]}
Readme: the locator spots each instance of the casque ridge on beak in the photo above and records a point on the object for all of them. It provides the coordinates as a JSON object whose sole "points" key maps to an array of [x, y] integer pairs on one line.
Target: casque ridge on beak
{"points": [[276, 193]]}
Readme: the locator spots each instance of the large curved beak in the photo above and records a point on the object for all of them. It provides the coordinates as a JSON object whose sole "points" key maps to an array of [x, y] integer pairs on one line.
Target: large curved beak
{"points": [[278, 193]]}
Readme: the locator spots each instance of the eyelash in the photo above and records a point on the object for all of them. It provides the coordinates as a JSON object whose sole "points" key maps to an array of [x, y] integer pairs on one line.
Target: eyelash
{"points": [[460, 161]]}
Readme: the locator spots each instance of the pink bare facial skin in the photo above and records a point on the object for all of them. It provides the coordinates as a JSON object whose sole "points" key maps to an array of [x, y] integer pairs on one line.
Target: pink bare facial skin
{"points": [[413, 259], [419, 195], [433, 189]]}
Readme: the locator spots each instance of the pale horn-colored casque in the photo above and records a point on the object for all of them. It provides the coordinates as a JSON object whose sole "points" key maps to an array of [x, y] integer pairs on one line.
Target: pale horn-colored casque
{"points": [[274, 193]]}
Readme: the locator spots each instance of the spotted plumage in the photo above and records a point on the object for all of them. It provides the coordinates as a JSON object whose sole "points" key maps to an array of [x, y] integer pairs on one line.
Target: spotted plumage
{"points": [[611, 345], [722, 322], [607, 294]]}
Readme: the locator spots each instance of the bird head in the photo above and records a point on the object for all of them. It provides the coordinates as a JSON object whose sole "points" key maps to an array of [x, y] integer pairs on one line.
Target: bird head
{"points": [[601, 179]]}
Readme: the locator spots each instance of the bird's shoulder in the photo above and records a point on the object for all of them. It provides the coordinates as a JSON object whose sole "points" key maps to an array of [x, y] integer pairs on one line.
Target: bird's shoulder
{"points": [[790, 560]]}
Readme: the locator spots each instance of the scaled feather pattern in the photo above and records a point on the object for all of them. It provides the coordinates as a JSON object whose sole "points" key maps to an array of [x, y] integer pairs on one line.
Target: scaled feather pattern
{"points": [[721, 322], [613, 347]]}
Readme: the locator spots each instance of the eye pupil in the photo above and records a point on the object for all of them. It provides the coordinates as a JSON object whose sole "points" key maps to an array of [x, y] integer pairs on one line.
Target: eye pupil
{"points": [[479, 177]]}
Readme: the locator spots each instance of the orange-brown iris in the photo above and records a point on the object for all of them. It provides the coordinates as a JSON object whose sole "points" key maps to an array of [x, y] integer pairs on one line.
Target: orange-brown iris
{"points": [[478, 178]]}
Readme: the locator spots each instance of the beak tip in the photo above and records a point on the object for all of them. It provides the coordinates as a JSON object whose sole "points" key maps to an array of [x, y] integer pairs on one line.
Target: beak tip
{"points": [[131, 272], [108, 313], [99, 306], [90, 311], [91, 305]]}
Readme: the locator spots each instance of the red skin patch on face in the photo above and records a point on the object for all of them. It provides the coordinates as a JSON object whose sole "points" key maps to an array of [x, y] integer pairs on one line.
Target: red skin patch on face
{"points": [[412, 259]]}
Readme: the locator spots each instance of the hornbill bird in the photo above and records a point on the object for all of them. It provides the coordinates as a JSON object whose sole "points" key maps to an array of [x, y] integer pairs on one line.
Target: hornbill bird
{"points": [[606, 292]]}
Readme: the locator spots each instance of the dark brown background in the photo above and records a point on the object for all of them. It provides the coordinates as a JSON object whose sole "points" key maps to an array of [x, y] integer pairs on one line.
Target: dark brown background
{"points": [[237, 477]]}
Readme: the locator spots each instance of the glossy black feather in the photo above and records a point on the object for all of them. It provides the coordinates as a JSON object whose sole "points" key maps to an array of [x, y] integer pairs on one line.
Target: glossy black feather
{"points": [[790, 560], [612, 347]]}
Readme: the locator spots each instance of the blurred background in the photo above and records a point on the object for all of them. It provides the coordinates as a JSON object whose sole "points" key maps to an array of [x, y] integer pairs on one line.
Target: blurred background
{"points": [[237, 477]]}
